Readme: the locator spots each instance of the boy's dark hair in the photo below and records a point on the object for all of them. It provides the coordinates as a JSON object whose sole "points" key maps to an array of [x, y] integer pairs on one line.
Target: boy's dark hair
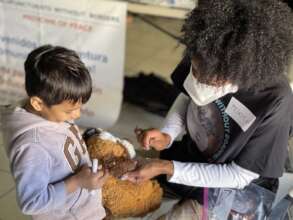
{"points": [[56, 74], [248, 42]]}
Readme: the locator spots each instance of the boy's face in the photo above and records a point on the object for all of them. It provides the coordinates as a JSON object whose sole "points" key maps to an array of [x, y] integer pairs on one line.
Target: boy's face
{"points": [[64, 111]]}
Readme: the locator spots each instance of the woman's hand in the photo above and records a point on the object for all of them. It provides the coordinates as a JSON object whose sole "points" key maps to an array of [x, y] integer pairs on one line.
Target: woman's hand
{"points": [[152, 138], [151, 168]]}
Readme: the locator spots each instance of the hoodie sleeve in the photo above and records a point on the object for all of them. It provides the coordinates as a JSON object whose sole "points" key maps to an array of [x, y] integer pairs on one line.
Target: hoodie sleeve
{"points": [[31, 167]]}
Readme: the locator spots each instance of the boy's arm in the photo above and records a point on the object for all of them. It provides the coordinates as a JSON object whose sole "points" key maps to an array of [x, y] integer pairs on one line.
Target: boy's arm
{"points": [[31, 168]]}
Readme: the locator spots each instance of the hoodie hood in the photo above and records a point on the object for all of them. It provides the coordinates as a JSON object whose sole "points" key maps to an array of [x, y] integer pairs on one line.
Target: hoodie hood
{"points": [[15, 121]]}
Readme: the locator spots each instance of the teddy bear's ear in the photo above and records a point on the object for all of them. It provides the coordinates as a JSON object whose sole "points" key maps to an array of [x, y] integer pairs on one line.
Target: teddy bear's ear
{"points": [[90, 132]]}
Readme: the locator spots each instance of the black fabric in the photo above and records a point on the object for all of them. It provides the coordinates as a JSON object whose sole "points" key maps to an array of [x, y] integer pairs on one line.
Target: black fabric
{"points": [[290, 3], [150, 92]]}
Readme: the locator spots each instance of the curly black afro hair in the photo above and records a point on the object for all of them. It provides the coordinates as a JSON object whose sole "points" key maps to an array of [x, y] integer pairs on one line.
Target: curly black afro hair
{"points": [[247, 42]]}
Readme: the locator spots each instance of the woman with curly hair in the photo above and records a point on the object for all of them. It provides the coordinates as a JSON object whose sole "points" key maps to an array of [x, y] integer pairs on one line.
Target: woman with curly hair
{"points": [[236, 104]]}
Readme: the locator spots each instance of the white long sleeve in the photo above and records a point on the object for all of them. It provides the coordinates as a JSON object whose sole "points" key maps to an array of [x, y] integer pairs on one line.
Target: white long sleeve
{"points": [[212, 175], [174, 123]]}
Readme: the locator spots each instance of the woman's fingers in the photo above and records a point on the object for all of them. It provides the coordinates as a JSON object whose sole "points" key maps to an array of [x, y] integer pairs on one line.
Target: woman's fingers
{"points": [[142, 137], [146, 140], [152, 138], [131, 176], [138, 130], [139, 133]]}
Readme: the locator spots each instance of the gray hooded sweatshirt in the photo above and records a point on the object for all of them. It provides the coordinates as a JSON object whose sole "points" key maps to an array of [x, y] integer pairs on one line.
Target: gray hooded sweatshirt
{"points": [[42, 154]]}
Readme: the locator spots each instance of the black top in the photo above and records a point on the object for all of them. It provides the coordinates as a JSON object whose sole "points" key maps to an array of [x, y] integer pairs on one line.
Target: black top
{"points": [[262, 148]]}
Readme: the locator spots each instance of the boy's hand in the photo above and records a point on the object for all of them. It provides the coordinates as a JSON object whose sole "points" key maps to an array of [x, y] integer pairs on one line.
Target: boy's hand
{"points": [[152, 138], [89, 180], [85, 178]]}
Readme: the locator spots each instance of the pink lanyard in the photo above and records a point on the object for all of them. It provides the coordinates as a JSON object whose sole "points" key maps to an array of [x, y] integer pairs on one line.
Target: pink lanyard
{"points": [[204, 215]]}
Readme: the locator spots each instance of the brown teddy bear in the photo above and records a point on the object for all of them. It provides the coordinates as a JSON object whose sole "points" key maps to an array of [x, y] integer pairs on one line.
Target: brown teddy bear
{"points": [[121, 198]]}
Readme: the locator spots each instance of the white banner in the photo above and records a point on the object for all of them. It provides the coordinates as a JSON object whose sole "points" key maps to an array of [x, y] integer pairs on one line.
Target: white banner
{"points": [[94, 29], [186, 4]]}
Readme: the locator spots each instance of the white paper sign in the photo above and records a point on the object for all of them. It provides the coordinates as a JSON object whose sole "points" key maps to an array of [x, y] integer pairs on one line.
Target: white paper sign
{"points": [[94, 29], [240, 114]]}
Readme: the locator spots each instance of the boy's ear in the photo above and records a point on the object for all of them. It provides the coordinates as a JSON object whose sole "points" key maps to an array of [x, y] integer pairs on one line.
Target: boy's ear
{"points": [[37, 103]]}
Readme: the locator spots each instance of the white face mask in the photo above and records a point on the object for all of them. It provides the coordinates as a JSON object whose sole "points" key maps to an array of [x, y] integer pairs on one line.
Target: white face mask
{"points": [[203, 94]]}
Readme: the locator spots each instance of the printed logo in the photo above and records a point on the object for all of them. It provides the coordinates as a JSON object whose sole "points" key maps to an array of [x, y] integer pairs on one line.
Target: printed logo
{"points": [[74, 151], [226, 122]]}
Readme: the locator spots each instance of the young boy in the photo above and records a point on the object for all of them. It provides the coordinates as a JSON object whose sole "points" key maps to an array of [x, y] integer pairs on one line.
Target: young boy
{"points": [[48, 157]]}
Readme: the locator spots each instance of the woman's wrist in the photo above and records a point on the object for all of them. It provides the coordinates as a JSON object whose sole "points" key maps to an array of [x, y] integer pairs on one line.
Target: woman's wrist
{"points": [[166, 167], [167, 140]]}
